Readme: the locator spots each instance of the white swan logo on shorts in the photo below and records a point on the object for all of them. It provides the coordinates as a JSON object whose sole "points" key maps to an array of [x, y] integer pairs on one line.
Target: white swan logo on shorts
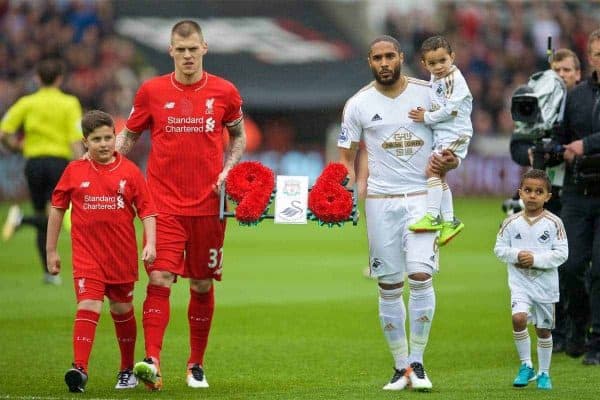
{"points": [[376, 263]]}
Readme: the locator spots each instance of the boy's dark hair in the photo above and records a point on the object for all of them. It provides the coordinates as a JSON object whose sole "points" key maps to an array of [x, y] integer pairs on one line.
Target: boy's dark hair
{"points": [[434, 43], [385, 38], [49, 70], [186, 28], [93, 120], [537, 174]]}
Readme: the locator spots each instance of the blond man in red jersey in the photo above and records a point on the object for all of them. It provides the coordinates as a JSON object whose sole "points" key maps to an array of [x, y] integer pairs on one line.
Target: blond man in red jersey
{"points": [[105, 191], [185, 112]]}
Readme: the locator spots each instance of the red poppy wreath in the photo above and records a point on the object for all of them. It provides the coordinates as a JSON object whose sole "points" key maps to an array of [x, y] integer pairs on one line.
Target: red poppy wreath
{"points": [[329, 200], [250, 184]]}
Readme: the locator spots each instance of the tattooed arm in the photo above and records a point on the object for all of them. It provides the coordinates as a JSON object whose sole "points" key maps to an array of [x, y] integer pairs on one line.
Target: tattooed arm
{"points": [[237, 145], [125, 141]]}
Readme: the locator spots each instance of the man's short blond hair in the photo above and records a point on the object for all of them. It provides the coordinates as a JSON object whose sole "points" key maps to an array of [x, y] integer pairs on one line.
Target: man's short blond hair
{"points": [[186, 28], [562, 54]]}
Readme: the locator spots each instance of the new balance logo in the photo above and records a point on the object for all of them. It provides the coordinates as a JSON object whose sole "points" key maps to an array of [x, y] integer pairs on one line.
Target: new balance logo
{"points": [[518, 236], [170, 104], [376, 117], [85, 184]]}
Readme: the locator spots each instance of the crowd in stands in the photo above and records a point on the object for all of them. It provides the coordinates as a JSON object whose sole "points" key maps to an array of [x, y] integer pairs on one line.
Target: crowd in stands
{"points": [[498, 44], [103, 70]]}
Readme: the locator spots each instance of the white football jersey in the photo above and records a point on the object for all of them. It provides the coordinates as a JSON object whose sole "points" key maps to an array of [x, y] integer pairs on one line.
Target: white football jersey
{"points": [[451, 106], [545, 237], [398, 149]]}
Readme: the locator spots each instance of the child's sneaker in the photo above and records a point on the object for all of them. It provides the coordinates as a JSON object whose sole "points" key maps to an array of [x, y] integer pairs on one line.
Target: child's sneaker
{"points": [[524, 376], [126, 379], [544, 381], [76, 378], [428, 223], [195, 377], [148, 372], [449, 230]]}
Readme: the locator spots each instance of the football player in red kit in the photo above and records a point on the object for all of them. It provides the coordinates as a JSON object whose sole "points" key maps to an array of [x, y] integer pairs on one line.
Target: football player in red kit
{"points": [[185, 112], [105, 192]]}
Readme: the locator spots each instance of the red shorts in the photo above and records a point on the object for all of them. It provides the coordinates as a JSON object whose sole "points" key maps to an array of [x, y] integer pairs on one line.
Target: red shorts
{"points": [[191, 247], [91, 289]]}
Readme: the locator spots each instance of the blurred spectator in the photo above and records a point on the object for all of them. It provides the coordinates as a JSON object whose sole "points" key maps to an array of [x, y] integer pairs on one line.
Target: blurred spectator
{"points": [[499, 44], [103, 69]]}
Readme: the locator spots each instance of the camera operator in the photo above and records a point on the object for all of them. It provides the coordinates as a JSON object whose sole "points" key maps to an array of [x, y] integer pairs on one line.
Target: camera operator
{"points": [[581, 207], [566, 64]]}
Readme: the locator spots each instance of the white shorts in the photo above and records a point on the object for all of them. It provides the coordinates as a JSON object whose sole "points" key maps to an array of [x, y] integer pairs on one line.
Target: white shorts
{"points": [[458, 144], [393, 248], [541, 315]]}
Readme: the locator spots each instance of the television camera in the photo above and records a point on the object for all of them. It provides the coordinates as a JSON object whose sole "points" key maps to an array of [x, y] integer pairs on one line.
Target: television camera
{"points": [[537, 109]]}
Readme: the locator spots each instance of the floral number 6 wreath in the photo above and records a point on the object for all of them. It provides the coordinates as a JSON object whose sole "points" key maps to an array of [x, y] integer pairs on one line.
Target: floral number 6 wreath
{"points": [[329, 200]]}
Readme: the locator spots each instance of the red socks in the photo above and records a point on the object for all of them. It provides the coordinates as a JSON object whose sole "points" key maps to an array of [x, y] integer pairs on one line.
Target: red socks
{"points": [[126, 330], [156, 318], [200, 313], [84, 331]]}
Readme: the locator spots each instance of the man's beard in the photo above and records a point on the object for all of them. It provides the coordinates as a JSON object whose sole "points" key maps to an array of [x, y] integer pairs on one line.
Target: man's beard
{"points": [[389, 81]]}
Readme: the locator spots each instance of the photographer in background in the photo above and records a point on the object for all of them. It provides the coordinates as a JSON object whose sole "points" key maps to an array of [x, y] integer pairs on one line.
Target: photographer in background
{"points": [[581, 208], [567, 65]]}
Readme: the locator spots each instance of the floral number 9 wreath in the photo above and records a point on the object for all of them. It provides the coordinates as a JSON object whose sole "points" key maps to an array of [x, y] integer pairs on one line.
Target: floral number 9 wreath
{"points": [[250, 185]]}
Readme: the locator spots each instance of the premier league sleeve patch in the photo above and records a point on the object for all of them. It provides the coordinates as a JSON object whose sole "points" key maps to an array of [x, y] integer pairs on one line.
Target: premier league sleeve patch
{"points": [[343, 139]]}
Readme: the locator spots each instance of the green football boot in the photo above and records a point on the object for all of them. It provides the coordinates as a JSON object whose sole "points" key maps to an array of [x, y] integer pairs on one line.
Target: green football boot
{"points": [[449, 230], [428, 223]]}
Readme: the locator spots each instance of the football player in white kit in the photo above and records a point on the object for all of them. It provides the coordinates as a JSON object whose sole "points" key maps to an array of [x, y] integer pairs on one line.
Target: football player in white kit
{"points": [[533, 243], [398, 151]]}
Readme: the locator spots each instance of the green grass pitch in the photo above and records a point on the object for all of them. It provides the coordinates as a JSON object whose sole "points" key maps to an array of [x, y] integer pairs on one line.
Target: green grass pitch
{"points": [[295, 319]]}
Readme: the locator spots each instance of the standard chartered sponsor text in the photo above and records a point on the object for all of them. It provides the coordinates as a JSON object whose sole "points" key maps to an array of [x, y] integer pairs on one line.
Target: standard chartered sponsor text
{"points": [[99, 202], [184, 125]]}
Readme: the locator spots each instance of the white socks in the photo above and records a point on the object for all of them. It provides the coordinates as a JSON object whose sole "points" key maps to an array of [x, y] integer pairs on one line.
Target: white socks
{"points": [[421, 307], [544, 352], [446, 207], [392, 315], [523, 343], [434, 196], [439, 199]]}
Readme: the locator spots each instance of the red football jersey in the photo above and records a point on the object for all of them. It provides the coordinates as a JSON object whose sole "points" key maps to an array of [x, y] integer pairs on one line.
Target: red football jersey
{"points": [[104, 201], [186, 125]]}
